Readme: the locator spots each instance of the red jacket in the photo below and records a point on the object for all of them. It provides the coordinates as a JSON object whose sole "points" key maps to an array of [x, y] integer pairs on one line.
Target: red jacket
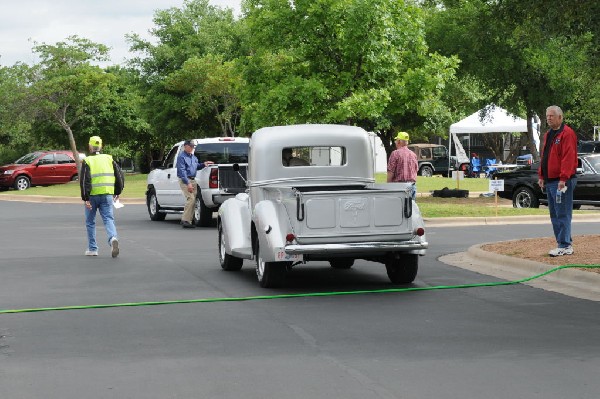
{"points": [[562, 158]]}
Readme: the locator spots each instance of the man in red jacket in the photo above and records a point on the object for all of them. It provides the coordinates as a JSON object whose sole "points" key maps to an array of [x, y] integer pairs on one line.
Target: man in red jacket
{"points": [[558, 166]]}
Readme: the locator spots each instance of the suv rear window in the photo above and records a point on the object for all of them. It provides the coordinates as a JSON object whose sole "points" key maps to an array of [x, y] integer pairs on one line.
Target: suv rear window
{"points": [[222, 152]]}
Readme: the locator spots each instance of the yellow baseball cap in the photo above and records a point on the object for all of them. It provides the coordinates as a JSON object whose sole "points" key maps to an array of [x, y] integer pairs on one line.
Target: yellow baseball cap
{"points": [[402, 136], [95, 141]]}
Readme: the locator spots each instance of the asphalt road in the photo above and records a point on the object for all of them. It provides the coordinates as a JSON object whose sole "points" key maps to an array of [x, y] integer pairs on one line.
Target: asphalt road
{"points": [[494, 342]]}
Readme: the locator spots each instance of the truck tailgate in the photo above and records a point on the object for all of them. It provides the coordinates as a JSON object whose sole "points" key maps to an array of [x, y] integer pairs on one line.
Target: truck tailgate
{"points": [[230, 181], [351, 216]]}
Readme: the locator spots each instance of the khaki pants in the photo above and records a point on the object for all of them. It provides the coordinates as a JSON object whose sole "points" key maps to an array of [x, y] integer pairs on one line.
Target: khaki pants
{"points": [[190, 199]]}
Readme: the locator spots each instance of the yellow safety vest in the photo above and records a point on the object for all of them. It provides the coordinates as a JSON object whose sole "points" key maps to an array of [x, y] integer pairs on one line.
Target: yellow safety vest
{"points": [[102, 173]]}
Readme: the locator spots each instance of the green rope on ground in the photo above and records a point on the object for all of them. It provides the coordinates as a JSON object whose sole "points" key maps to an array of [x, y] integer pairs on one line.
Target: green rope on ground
{"points": [[314, 294]]}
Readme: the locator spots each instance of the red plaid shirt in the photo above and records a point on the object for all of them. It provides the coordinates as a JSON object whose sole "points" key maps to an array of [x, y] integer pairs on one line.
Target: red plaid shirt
{"points": [[403, 165]]}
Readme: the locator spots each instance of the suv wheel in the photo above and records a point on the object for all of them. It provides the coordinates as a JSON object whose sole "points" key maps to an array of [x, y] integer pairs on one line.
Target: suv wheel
{"points": [[202, 213], [524, 197], [154, 207], [22, 183], [426, 171]]}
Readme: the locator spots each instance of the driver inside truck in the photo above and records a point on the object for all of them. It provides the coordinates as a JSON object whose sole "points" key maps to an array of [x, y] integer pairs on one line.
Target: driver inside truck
{"points": [[288, 159]]}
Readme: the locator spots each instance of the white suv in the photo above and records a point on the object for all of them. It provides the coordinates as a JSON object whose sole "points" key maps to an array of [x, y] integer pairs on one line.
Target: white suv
{"points": [[216, 183]]}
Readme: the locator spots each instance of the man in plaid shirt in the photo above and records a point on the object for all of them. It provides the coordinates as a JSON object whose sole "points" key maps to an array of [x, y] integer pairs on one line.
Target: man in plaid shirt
{"points": [[403, 164]]}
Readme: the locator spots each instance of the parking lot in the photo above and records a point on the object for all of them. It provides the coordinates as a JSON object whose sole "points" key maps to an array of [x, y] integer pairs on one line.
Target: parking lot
{"points": [[497, 342]]}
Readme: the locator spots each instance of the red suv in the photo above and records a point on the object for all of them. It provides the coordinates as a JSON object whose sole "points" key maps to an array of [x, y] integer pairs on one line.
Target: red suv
{"points": [[39, 168]]}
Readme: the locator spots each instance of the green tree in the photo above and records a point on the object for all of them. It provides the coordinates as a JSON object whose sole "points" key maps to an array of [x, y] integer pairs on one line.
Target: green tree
{"points": [[359, 62], [15, 126], [194, 31], [210, 86], [65, 87], [527, 55], [65, 90]]}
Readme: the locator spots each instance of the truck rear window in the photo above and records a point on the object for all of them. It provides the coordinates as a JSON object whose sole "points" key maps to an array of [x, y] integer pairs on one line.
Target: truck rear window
{"points": [[222, 152], [313, 156]]}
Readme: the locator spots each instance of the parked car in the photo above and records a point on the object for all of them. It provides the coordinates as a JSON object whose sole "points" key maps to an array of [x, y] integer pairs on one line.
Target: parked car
{"points": [[39, 168], [216, 182], [521, 185], [433, 160], [588, 147]]}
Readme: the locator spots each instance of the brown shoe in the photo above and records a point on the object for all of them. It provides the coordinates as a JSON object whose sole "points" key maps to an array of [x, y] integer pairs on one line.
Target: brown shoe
{"points": [[187, 225]]}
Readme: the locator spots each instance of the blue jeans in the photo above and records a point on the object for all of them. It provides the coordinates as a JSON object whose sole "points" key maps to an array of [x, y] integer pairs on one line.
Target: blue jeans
{"points": [[104, 204], [561, 214]]}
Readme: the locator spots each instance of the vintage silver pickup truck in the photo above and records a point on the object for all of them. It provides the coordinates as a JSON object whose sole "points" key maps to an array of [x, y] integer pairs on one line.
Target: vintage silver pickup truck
{"points": [[312, 197]]}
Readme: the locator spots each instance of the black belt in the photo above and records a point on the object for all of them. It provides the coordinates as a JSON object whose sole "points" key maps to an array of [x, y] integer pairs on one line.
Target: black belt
{"points": [[191, 178]]}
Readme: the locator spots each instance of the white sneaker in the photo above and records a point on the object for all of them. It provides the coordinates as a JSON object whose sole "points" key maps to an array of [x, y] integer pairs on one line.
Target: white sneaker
{"points": [[114, 243], [561, 251], [91, 253]]}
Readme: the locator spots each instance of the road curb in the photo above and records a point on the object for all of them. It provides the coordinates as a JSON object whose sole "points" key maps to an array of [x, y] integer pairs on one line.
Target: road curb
{"points": [[429, 222], [572, 282], [503, 220], [61, 200]]}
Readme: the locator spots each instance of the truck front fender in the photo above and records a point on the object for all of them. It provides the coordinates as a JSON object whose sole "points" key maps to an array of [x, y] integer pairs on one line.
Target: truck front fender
{"points": [[234, 220]]}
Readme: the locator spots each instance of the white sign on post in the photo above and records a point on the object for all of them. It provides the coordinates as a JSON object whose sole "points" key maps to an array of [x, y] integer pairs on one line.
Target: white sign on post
{"points": [[496, 185], [458, 175]]}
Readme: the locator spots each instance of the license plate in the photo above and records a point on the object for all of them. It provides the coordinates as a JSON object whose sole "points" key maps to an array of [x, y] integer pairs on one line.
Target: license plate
{"points": [[284, 257]]}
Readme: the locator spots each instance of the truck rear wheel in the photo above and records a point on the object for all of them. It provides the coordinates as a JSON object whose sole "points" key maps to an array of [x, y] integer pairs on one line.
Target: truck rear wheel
{"points": [[154, 207], [341, 263], [269, 274], [202, 213], [402, 268], [228, 262]]}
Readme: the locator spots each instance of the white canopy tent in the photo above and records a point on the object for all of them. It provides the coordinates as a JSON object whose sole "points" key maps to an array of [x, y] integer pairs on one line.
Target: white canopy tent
{"points": [[495, 120]]}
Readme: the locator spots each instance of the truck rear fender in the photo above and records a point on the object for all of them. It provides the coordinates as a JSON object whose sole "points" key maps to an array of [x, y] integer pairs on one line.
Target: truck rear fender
{"points": [[234, 219], [272, 226], [418, 222]]}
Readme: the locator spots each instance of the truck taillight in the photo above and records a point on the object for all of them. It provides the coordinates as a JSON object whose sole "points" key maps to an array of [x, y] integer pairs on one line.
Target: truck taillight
{"points": [[213, 181], [420, 231], [290, 237]]}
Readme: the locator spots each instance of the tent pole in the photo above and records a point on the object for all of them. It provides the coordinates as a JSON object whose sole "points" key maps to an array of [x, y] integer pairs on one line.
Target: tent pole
{"points": [[449, 152]]}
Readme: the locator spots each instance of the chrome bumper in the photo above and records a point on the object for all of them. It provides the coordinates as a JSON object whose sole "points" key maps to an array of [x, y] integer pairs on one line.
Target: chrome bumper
{"points": [[358, 248]]}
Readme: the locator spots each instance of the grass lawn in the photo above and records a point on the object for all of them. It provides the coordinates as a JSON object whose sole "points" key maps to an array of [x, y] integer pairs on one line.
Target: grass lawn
{"points": [[135, 187], [427, 184]]}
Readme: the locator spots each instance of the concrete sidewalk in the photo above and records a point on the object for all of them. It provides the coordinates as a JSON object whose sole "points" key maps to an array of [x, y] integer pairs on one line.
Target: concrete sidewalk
{"points": [[572, 282]]}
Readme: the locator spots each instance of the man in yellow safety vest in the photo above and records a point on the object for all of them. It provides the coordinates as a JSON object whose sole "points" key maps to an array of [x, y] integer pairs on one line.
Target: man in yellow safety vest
{"points": [[101, 181]]}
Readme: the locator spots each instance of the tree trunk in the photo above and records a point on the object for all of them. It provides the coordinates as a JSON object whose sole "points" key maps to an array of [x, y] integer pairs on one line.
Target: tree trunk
{"points": [[530, 136], [61, 116]]}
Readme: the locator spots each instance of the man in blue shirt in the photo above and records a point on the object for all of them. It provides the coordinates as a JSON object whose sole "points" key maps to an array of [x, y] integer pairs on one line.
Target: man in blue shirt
{"points": [[187, 165]]}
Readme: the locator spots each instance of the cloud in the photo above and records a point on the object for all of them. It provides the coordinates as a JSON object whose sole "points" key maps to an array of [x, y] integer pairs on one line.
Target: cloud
{"points": [[24, 22]]}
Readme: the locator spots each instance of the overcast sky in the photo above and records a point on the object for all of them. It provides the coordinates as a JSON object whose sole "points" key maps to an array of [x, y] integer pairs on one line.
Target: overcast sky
{"points": [[102, 21]]}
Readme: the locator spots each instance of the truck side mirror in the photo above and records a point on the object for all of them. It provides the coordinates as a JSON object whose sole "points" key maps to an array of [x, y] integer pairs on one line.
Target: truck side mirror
{"points": [[236, 167]]}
